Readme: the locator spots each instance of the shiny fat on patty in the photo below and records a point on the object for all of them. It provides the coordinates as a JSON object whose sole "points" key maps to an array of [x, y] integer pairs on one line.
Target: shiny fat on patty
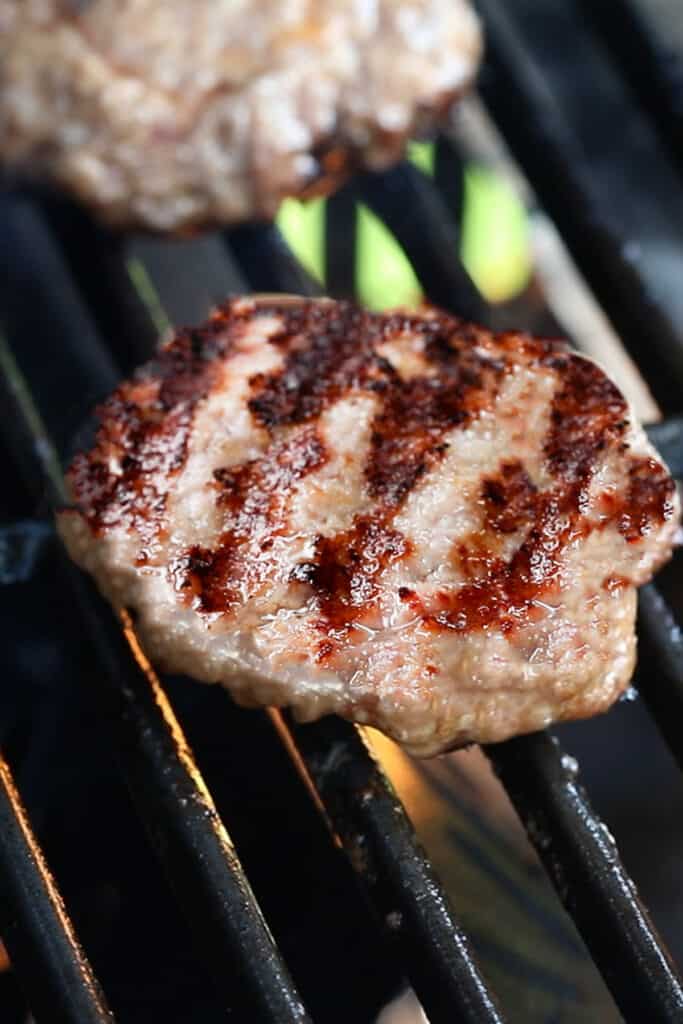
{"points": [[400, 518]]}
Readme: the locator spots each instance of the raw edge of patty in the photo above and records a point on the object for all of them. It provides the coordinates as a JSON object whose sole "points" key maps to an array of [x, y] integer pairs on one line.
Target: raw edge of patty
{"points": [[449, 674]]}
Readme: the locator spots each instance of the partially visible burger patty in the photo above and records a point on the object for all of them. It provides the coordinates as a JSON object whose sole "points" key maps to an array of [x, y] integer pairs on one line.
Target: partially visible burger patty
{"points": [[170, 114], [403, 519]]}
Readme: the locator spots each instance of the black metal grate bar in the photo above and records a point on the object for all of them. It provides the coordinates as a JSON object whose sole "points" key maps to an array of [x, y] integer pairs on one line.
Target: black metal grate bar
{"points": [[40, 304], [96, 260], [363, 807], [214, 276], [414, 211], [535, 126], [36, 929], [368, 817], [162, 776], [438, 958], [583, 863], [184, 826], [341, 239], [449, 177], [649, 60], [267, 262]]}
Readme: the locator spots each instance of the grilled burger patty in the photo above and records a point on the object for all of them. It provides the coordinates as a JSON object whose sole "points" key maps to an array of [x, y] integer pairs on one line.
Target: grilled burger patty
{"points": [[174, 114], [404, 519]]}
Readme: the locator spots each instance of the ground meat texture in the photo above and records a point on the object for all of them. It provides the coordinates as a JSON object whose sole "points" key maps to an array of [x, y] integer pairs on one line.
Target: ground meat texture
{"points": [[170, 115], [403, 519]]}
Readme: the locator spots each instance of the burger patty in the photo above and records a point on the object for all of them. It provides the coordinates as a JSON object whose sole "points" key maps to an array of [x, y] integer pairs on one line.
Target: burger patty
{"points": [[171, 115], [403, 519]]}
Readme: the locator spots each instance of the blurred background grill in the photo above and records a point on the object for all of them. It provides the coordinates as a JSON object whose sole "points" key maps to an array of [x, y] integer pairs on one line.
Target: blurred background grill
{"points": [[559, 185]]}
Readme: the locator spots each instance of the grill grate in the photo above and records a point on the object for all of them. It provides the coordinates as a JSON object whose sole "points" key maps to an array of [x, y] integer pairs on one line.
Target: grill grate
{"points": [[368, 817], [35, 924], [650, 58], [543, 120], [99, 328], [581, 859]]}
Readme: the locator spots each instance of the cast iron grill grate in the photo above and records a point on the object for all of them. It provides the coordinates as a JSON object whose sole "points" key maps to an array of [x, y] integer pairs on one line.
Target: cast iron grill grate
{"points": [[69, 274]]}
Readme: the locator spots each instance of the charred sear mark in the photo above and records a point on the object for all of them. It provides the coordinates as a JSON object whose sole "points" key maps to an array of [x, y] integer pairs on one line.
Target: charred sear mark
{"points": [[510, 498], [649, 500], [346, 569], [408, 431], [587, 418], [588, 415], [143, 435], [145, 428], [330, 353], [256, 493], [505, 594], [255, 497]]}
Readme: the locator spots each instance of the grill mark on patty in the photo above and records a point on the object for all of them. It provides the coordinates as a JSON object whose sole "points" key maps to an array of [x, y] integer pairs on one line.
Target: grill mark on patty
{"points": [[345, 571], [587, 416], [144, 432], [509, 499], [331, 352], [648, 501], [255, 497], [408, 431]]}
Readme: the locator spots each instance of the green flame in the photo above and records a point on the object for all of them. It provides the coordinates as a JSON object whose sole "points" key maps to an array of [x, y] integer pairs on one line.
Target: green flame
{"points": [[494, 244], [303, 225]]}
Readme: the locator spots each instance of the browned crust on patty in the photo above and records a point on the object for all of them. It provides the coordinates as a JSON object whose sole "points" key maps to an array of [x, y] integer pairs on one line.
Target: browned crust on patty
{"points": [[331, 350]]}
